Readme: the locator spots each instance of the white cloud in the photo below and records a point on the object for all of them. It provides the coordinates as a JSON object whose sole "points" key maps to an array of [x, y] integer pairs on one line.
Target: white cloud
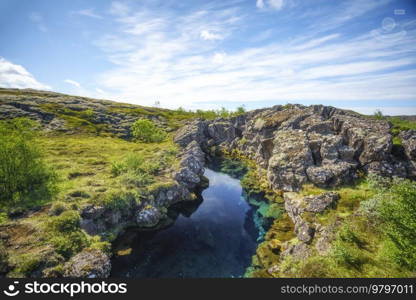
{"points": [[219, 58], [16, 76], [386, 110], [119, 8], [210, 36], [276, 4], [158, 56], [272, 4], [316, 42], [73, 82], [260, 4], [37, 18], [89, 12]]}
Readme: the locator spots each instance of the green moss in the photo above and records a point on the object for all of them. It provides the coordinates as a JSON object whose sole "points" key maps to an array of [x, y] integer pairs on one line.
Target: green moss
{"points": [[24, 265], [118, 200], [96, 243], [3, 218], [65, 234], [68, 221], [234, 168]]}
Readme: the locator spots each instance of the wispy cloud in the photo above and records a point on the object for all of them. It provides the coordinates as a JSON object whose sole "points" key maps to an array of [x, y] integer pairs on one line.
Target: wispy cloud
{"points": [[165, 56], [119, 8], [260, 4], [37, 19], [73, 82], [272, 4], [210, 36], [16, 76], [88, 12]]}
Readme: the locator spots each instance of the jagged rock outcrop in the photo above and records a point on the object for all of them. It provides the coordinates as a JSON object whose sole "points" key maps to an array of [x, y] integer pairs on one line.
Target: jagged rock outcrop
{"points": [[296, 144], [409, 143], [296, 205]]}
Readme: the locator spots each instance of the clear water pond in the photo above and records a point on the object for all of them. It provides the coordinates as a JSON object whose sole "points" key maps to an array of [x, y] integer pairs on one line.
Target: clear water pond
{"points": [[217, 239]]}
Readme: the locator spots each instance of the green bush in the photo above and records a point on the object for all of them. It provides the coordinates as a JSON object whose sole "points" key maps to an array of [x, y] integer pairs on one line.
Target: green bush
{"points": [[25, 264], [70, 243], [97, 243], [57, 208], [24, 176], [117, 168], [68, 221], [117, 200], [398, 213], [65, 233], [145, 130]]}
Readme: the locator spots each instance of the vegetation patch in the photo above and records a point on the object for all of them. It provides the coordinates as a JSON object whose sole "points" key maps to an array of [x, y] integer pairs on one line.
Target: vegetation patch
{"points": [[26, 180]]}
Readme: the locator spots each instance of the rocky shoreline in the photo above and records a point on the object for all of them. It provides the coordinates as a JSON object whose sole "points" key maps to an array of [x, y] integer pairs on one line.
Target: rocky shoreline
{"points": [[150, 213]]}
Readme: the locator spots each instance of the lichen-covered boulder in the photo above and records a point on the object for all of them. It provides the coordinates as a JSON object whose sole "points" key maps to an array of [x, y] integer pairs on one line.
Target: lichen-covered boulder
{"points": [[320, 202], [291, 157], [221, 131], [191, 166], [149, 216], [89, 263], [332, 173], [296, 205], [409, 143], [194, 131]]}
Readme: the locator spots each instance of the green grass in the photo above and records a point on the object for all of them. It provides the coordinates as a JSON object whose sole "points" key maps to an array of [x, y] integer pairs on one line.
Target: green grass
{"points": [[84, 167], [361, 245], [86, 164], [399, 125]]}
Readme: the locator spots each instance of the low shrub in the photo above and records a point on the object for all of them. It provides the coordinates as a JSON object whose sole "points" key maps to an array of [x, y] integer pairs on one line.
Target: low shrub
{"points": [[119, 200], [25, 178], [57, 208], [97, 243], [25, 264], [68, 221], [398, 213], [70, 243], [65, 234], [146, 131]]}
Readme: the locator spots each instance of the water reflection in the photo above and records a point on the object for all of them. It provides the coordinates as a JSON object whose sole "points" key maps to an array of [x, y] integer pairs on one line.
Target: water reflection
{"points": [[216, 240]]}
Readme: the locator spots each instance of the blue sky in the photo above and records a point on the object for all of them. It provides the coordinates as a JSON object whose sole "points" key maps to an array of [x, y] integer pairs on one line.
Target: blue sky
{"points": [[207, 54]]}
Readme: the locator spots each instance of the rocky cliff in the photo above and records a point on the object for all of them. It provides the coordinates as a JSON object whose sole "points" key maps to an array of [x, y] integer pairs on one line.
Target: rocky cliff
{"points": [[296, 145]]}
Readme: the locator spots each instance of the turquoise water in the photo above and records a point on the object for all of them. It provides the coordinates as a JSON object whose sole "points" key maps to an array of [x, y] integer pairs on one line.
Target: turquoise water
{"points": [[215, 239]]}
